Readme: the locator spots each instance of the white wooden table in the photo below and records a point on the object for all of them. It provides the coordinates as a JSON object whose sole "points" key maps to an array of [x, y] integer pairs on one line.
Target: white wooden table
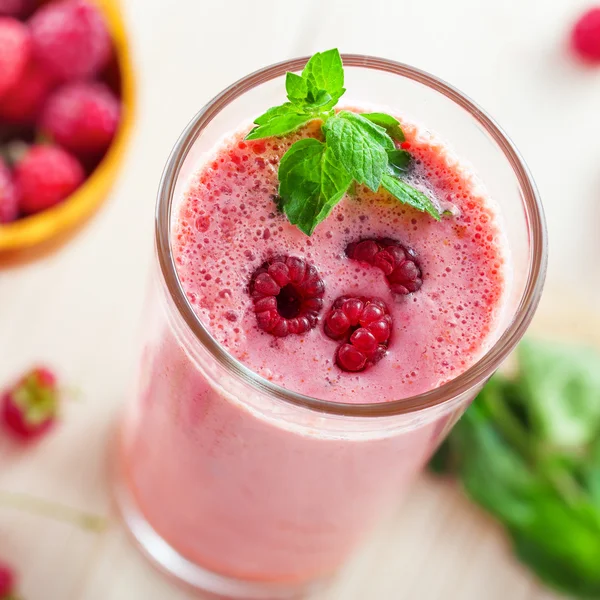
{"points": [[78, 310]]}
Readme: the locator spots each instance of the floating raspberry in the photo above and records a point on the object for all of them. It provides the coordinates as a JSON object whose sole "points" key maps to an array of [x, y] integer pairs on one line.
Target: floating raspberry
{"points": [[364, 325], [585, 37], [15, 45], [398, 263], [82, 117], [29, 408], [9, 203], [7, 581], [288, 296], [45, 176], [21, 104], [70, 39]]}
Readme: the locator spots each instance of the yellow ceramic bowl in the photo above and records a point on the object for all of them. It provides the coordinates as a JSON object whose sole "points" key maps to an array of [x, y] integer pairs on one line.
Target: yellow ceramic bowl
{"points": [[37, 234]]}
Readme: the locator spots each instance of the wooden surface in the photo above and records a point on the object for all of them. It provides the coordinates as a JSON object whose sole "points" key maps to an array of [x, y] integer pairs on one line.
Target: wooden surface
{"points": [[78, 309]]}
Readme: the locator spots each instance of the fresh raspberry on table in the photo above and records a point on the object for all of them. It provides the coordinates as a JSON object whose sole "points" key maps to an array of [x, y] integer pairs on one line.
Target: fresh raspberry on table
{"points": [[364, 325], [30, 408], [15, 49], [288, 295], [23, 102], [70, 39], [9, 202], [45, 176], [398, 263], [81, 117], [7, 581], [585, 37]]}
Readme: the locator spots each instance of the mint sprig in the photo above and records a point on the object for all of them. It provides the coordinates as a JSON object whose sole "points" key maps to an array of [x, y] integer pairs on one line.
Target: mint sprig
{"points": [[311, 95], [315, 175]]}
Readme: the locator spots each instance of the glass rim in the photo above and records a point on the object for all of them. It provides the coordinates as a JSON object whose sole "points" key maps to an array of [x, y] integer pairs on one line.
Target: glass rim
{"points": [[479, 371]]}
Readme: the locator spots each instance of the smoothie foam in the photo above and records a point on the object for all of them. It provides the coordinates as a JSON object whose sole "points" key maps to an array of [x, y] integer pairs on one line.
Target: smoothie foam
{"points": [[229, 225]]}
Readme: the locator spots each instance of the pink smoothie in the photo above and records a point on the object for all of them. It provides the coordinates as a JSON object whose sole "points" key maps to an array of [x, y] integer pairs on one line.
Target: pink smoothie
{"points": [[229, 225], [238, 490]]}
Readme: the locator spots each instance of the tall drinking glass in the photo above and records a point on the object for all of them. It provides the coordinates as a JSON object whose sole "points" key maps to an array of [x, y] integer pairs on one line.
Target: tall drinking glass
{"points": [[248, 490]]}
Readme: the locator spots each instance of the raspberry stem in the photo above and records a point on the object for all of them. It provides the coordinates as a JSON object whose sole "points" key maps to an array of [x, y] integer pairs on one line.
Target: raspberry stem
{"points": [[53, 510]]}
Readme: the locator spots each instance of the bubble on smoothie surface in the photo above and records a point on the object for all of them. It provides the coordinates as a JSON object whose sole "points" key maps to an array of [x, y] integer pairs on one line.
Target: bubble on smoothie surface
{"points": [[229, 225]]}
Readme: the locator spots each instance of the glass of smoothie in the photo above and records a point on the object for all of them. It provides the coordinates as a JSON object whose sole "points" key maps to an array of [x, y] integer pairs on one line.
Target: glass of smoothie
{"points": [[290, 386]]}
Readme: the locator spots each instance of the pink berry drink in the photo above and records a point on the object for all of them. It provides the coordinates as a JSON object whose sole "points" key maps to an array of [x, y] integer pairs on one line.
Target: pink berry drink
{"points": [[229, 225], [262, 454]]}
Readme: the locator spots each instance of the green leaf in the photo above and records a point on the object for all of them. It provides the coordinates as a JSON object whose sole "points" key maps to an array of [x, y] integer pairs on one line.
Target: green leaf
{"points": [[409, 195], [306, 98], [562, 385], [311, 183], [555, 570], [278, 121], [320, 102], [399, 161], [493, 473], [311, 95], [324, 72], [441, 462], [296, 88], [528, 451], [547, 530], [360, 146], [391, 125]]}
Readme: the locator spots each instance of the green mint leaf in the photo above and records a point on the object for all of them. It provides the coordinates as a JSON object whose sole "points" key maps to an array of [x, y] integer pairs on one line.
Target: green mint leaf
{"points": [[409, 195], [391, 125], [302, 94], [321, 102], [377, 133], [399, 161], [360, 146], [324, 72], [296, 88], [278, 111], [311, 183], [279, 120]]}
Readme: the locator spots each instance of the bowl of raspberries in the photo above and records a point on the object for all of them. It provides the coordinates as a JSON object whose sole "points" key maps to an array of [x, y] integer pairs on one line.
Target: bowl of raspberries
{"points": [[66, 103]]}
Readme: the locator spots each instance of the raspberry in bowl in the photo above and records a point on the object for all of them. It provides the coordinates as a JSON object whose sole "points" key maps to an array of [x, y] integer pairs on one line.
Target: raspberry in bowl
{"points": [[332, 287], [75, 96]]}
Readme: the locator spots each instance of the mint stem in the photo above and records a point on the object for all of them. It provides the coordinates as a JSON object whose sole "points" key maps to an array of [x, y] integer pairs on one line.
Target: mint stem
{"points": [[53, 510]]}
